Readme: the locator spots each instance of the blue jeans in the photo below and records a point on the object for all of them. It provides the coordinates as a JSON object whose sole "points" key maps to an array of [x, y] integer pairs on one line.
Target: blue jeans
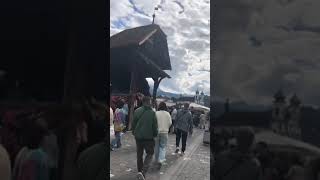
{"points": [[160, 147], [117, 141]]}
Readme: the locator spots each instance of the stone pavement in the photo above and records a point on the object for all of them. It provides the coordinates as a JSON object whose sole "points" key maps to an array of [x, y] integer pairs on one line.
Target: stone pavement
{"points": [[195, 164]]}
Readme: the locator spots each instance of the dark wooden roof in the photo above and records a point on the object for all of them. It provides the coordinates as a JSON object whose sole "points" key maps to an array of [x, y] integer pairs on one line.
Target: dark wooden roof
{"points": [[150, 40], [133, 36]]}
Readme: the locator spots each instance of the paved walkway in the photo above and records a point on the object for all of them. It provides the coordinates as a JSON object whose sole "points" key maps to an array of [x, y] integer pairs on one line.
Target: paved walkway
{"points": [[195, 164]]}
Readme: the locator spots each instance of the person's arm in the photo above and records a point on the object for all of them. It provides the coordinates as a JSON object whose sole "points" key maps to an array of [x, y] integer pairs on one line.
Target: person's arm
{"points": [[170, 120], [177, 117], [123, 117], [155, 126], [134, 122], [190, 123]]}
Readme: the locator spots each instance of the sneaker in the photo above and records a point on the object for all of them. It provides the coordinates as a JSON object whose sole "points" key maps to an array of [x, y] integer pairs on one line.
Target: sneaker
{"points": [[182, 153], [140, 176], [177, 150]]}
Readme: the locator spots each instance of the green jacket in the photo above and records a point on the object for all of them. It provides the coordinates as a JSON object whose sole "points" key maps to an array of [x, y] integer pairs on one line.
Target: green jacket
{"points": [[144, 125]]}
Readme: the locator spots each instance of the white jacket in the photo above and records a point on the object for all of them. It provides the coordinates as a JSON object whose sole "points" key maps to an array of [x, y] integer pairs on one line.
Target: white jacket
{"points": [[111, 117], [111, 125], [164, 121]]}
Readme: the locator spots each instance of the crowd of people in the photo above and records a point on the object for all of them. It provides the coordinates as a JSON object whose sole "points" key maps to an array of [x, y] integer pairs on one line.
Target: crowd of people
{"points": [[33, 148], [151, 126], [257, 161]]}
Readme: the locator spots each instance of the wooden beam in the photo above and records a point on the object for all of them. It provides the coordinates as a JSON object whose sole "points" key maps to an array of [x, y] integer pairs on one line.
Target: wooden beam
{"points": [[132, 95], [155, 88], [147, 37], [149, 61]]}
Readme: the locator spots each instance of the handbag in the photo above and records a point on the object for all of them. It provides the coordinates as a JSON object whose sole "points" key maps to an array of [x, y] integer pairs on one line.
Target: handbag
{"points": [[118, 124]]}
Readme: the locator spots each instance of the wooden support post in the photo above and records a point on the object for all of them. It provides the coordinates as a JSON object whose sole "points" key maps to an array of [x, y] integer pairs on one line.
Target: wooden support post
{"points": [[132, 95], [155, 88]]}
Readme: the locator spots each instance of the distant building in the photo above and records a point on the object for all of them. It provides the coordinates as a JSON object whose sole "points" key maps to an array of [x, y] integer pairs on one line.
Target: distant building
{"points": [[202, 98], [289, 118], [197, 97], [278, 123], [286, 117], [185, 99], [232, 119]]}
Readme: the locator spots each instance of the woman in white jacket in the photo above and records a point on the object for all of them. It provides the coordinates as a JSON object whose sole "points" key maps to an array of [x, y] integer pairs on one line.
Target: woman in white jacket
{"points": [[164, 123]]}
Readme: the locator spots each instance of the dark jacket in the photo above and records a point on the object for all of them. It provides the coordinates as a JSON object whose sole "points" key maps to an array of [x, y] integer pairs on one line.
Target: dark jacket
{"points": [[144, 125], [234, 165], [91, 162], [184, 120]]}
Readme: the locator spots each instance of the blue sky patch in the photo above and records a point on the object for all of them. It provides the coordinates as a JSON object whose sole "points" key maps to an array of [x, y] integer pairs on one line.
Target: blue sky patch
{"points": [[137, 9]]}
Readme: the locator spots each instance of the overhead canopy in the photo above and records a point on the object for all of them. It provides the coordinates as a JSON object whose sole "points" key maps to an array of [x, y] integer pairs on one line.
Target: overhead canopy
{"points": [[198, 106]]}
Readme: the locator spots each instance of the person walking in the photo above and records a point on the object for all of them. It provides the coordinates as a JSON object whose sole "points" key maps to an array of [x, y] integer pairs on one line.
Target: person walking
{"points": [[91, 164], [238, 163], [183, 125], [144, 129], [164, 123], [125, 110], [119, 119], [202, 121], [32, 161], [173, 117], [111, 128], [51, 148]]}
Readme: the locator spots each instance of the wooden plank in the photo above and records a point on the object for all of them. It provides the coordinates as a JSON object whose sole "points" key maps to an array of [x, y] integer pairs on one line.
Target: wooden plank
{"points": [[150, 62], [147, 37], [132, 95]]}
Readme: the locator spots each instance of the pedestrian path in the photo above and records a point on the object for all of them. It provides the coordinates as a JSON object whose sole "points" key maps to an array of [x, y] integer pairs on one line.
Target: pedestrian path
{"points": [[193, 165]]}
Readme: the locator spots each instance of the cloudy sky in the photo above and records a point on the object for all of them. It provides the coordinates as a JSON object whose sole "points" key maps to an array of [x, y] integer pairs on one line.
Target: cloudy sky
{"points": [[186, 24], [262, 46]]}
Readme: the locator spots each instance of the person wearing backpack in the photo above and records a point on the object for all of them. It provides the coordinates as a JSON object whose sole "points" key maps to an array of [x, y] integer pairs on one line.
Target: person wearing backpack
{"points": [[119, 119], [183, 125], [144, 129], [238, 163]]}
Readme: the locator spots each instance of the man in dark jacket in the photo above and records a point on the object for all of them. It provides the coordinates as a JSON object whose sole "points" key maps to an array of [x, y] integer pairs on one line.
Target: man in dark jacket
{"points": [[144, 129], [238, 163], [183, 125]]}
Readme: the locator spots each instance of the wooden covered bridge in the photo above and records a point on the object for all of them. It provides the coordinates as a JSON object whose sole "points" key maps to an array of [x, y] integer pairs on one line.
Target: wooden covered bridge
{"points": [[137, 54]]}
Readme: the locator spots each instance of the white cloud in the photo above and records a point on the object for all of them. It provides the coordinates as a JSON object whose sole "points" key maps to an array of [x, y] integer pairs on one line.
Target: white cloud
{"points": [[188, 36]]}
